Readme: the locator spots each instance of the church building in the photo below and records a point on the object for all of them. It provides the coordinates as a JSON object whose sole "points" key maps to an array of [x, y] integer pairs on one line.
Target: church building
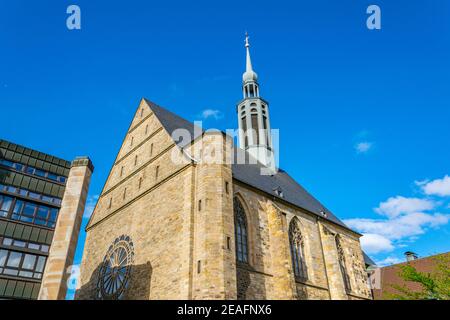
{"points": [[185, 214]]}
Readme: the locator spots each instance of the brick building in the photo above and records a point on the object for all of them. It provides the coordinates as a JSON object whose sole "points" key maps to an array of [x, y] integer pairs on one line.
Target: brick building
{"points": [[382, 279]]}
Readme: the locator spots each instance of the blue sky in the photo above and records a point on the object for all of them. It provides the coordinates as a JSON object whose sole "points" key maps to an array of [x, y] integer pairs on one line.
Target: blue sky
{"points": [[363, 115]]}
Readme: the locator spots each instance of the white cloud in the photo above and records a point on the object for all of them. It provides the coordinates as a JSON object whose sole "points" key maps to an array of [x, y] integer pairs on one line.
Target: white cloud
{"points": [[403, 220], [388, 261], [363, 147], [208, 113], [398, 228], [438, 187], [90, 205], [375, 243], [396, 206]]}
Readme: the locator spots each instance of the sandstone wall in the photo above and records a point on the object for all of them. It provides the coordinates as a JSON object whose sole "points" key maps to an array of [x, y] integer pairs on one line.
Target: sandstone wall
{"points": [[324, 275], [151, 202]]}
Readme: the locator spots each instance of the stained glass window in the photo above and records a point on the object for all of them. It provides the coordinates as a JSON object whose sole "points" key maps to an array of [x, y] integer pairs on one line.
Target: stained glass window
{"points": [[240, 222], [297, 251]]}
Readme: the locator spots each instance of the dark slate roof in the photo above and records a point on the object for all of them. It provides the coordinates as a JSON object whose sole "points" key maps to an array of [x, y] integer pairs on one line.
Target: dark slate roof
{"points": [[368, 260], [292, 192], [249, 172], [172, 122]]}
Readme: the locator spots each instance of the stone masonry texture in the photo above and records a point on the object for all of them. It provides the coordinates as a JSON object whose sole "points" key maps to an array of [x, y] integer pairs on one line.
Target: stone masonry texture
{"points": [[179, 215], [62, 250]]}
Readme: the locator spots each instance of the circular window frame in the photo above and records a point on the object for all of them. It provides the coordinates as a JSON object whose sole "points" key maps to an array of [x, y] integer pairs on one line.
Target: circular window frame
{"points": [[115, 271]]}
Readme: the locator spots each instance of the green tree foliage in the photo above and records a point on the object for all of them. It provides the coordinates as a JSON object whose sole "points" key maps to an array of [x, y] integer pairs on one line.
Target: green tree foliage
{"points": [[433, 286]]}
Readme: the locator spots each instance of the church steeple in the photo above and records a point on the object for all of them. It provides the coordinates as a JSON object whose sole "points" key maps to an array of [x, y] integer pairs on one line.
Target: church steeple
{"points": [[249, 78], [249, 61], [253, 115]]}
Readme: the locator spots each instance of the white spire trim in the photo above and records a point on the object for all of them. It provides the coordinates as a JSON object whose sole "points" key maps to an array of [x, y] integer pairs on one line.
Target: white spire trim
{"points": [[249, 60]]}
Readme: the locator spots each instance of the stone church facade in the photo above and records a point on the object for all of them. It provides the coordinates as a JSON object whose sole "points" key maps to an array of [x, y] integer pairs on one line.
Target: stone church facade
{"points": [[181, 216]]}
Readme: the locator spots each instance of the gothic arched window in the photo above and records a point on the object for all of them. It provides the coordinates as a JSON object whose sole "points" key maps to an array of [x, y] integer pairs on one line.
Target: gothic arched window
{"points": [[240, 226], [297, 251], [266, 133], [244, 128], [342, 266], [255, 127]]}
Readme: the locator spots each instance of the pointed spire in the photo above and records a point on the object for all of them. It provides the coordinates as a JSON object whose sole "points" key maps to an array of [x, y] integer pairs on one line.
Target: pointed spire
{"points": [[249, 60], [249, 74]]}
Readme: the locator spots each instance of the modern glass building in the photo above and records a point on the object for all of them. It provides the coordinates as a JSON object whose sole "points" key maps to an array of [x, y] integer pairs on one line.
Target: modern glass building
{"points": [[32, 185]]}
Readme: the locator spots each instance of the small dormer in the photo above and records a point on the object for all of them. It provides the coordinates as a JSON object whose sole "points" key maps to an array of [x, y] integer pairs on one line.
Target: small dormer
{"points": [[279, 192], [410, 256]]}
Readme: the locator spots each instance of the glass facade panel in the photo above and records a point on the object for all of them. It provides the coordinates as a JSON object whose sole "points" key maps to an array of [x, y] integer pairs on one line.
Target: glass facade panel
{"points": [[36, 214], [40, 264], [18, 206], [27, 193], [42, 213], [29, 209], [6, 203], [17, 244], [3, 255], [14, 263], [34, 195], [7, 163], [53, 214], [26, 274], [39, 173], [29, 261], [33, 246], [11, 272], [33, 171], [14, 259], [47, 199]]}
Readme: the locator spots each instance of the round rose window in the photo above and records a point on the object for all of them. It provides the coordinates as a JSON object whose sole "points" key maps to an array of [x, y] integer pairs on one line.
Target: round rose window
{"points": [[114, 273]]}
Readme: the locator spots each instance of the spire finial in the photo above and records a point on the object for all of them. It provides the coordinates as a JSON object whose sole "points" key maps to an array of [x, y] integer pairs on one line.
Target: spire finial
{"points": [[249, 74], [249, 67]]}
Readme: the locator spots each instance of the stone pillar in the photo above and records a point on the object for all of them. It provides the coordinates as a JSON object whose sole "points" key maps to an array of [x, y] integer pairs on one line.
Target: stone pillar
{"points": [[214, 259], [284, 287], [62, 250], [335, 280]]}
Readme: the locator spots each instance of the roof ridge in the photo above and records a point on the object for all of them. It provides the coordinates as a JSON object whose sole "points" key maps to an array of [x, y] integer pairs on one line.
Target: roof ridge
{"points": [[248, 172], [164, 109]]}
